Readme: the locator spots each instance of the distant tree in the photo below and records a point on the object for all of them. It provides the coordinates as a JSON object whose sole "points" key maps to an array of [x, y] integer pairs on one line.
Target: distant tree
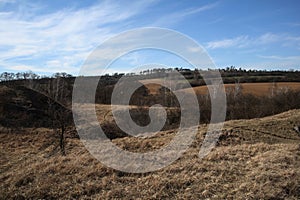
{"points": [[4, 76], [10, 76], [61, 75], [33, 76], [18, 75], [28, 75]]}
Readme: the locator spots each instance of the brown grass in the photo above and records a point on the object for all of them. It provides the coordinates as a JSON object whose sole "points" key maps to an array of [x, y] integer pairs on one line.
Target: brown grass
{"points": [[254, 159], [153, 87], [257, 89]]}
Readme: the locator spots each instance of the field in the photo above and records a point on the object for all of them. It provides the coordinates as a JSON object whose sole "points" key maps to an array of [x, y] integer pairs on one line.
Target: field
{"points": [[257, 89], [254, 159], [153, 85]]}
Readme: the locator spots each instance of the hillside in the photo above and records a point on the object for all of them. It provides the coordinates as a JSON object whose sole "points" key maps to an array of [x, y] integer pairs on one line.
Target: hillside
{"points": [[24, 107], [254, 159]]}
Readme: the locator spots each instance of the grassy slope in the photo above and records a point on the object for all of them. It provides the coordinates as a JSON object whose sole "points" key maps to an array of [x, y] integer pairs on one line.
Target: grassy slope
{"points": [[257, 158]]}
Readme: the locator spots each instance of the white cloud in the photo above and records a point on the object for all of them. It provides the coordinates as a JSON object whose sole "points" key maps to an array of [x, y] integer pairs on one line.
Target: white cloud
{"points": [[276, 57], [177, 16], [49, 69], [247, 41], [271, 62], [267, 38], [194, 49], [199, 9], [234, 42], [65, 36]]}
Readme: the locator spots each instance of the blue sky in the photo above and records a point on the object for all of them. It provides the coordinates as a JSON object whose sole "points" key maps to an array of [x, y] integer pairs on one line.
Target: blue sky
{"points": [[51, 36]]}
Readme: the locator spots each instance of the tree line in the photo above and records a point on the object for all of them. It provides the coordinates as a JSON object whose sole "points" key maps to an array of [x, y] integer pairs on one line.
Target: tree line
{"points": [[30, 75], [228, 72]]}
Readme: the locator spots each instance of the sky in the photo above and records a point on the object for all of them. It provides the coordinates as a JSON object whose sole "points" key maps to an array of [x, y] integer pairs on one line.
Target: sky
{"points": [[48, 36]]}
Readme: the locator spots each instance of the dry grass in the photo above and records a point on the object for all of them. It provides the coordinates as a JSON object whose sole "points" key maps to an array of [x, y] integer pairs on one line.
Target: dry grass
{"points": [[153, 85], [257, 89], [255, 159]]}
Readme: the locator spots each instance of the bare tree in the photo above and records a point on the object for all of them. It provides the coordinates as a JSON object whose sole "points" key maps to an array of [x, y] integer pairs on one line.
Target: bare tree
{"points": [[237, 89], [58, 108]]}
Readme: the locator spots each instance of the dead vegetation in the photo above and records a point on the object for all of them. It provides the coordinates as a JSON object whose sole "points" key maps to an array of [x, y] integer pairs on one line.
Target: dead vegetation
{"points": [[254, 159], [256, 89]]}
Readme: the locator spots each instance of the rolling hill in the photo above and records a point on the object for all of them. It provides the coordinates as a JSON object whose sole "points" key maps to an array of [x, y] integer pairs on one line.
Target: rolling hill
{"points": [[254, 159]]}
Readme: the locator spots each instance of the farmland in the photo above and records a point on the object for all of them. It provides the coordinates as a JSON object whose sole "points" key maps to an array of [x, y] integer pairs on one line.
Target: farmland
{"points": [[257, 89]]}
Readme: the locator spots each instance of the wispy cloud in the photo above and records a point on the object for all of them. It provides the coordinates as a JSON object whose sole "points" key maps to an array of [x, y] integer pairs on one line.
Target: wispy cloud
{"points": [[226, 43], [199, 9], [277, 62], [46, 37], [267, 38], [177, 16], [64, 36], [276, 57], [293, 24], [247, 41]]}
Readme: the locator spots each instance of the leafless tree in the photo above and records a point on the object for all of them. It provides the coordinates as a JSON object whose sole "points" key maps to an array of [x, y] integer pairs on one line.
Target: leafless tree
{"points": [[58, 108]]}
